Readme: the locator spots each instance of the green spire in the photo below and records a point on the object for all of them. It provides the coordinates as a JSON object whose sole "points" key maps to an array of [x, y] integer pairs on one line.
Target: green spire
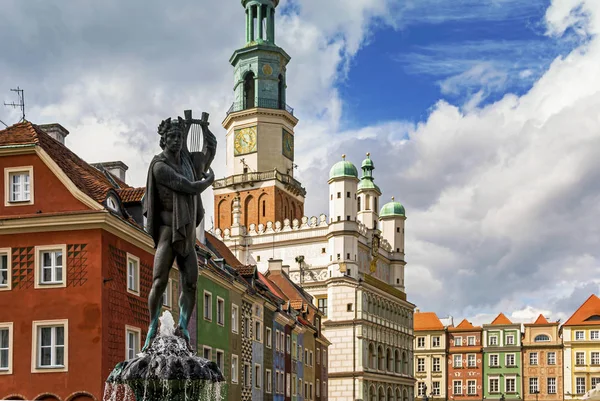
{"points": [[366, 181]]}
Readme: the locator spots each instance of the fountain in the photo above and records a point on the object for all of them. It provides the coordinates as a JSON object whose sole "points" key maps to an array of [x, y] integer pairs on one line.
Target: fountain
{"points": [[167, 368]]}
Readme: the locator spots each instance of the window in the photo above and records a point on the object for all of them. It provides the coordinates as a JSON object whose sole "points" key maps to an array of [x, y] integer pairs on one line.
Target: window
{"points": [[420, 364], [277, 340], [6, 350], [49, 266], [18, 186], [494, 360], [349, 306], [220, 311], [324, 357], [533, 385], [421, 389], [471, 340], [420, 342], [533, 358], [258, 330], [133, 274], [458, 341], [294, 385], [234, 368], [435, 388], [471, 361], [235, 312], [5, 269], [132, 341], [287, 343], [310, 391], [580, 358], [471, 387], [594, 335], [268, 380], [551, 385], [458, 361], [580, 385], [493, 340], [318, 356], [322, 305], [51, 344], [318, 388], [268, 337], [494, 384], [300, 387], [595, 358], [247, 327], [339, 195], [510, 360], [457, 387], [323, 250], [295, 353], [510, 340], [310, 358], [207, 353], [595, 381], [579, 335], [306, 356], [347, 194], [168, 294], [247, 375], [436, 365], [221, 360], [510, 384], [207, 306], [551, 358], [541, 338], [435, 342], [257, 375]]}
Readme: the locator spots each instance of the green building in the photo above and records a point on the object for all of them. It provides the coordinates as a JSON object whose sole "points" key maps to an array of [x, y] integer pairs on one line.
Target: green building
{"points": [[502, 361]]}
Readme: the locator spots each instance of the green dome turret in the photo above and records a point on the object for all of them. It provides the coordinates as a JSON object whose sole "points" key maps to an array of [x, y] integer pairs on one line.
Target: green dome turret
{"points": [[366, 181], [392, 209], [343, 168]]}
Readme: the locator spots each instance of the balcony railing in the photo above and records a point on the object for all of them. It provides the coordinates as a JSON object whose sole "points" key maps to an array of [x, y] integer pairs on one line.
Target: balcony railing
{"points": [[252, 177], [262, 103]]}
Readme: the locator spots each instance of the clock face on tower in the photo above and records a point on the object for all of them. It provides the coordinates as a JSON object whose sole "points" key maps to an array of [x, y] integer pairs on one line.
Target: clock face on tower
{"points": [[244, 141], [288, 145]]}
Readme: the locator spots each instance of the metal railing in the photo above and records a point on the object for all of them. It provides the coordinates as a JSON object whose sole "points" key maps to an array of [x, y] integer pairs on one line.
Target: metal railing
{"points": [[262, 103], [251, 177]]}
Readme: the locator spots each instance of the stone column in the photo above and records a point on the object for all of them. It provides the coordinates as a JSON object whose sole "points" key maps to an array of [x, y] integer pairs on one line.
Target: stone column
{"points": [[259, 20], [251, 22]]}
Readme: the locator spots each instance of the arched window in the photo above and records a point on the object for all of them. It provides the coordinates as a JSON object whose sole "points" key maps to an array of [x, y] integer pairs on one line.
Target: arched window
{"points": [[381, 357], [249, 209], [372, 394], [398, 368], [358, 203], [372, 357], [398, 396], [390, 360], [381, 394], [405, 363], [541, 338], [375, 204], [405, 395], [390, 394], [249, 90]]}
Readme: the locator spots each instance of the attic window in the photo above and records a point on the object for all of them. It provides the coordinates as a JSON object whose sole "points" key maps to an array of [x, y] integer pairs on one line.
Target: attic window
{"points": [[541, 338], [111, 203], [593, 318]]}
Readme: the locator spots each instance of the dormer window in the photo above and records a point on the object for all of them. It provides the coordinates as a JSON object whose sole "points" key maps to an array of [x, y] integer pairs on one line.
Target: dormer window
{"points": [[541, 338], [112, 204]]}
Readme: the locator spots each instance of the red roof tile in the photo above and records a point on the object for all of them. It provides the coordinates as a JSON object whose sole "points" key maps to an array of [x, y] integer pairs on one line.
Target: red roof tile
{"points": [[541, 320], [223, 250], [587, 314], [272, 286], [465, 325], [131, 194], [427, 321], [501, 319]]}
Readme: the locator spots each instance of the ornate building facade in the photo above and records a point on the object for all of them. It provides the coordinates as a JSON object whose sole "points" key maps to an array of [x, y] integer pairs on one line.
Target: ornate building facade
{"points": [[351, 265], [430, 355], [465, 362]]}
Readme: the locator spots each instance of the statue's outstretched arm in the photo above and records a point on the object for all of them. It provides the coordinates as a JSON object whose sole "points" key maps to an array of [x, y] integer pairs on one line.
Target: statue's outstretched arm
{"points": [[168, 177]]}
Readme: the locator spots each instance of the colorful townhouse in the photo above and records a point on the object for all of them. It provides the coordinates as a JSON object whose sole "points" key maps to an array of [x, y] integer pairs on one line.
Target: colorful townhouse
{"points": [[502, 374], [465, 362], [75, 268], [430, 355], [581, 339], [542, 361]]}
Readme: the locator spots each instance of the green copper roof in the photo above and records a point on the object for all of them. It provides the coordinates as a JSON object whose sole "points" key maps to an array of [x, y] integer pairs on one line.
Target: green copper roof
{"points": [[366, 183], [368, 162], [392, 209], [343, 168]]}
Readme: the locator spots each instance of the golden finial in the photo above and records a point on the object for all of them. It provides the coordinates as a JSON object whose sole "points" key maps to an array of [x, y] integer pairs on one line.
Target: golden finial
{"points": [[368, 154], [393, 198], [343, 157]]}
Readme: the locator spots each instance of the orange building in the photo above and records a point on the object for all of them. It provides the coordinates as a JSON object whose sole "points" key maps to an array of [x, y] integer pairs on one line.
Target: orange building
{"points": [[542, 361], [465, 362], [75, 268]]}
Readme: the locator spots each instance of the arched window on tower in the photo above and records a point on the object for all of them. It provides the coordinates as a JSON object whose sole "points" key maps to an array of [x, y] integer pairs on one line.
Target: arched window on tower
{"points": [[249, 90], [281, 92], [359, 203]]}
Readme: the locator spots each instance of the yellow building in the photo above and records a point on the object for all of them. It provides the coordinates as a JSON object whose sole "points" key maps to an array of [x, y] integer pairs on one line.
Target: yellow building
{"points": [[581, 338], [430, 356]]}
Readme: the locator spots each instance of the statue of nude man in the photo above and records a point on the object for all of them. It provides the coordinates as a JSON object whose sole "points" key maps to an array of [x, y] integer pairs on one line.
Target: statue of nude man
{"points": [[173, 207]]}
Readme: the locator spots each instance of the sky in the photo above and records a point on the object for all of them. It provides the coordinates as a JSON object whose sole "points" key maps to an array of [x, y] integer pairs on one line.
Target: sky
{"points": [[482, 117]]}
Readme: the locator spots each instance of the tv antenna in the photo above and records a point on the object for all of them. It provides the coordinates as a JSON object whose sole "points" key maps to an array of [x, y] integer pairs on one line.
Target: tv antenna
{"points": [[20, 104]]}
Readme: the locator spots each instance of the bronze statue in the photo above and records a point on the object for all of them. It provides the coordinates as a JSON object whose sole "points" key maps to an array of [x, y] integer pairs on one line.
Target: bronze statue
{"points": [[173, 207]]}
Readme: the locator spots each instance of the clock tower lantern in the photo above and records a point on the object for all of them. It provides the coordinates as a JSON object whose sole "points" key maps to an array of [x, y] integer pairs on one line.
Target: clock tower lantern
{"points": [[260, 131]]}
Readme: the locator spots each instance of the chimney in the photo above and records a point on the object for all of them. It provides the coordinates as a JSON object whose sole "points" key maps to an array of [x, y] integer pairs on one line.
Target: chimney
{"points": [[56, 131], [117, 168], [286, 269], [275, 265]]}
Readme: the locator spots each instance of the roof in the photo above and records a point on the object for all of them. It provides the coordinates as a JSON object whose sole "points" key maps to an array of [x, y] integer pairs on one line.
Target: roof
{"points": [[587, 314], [385, 287], [392, 209], [368, 162], [425, 321], [272, 287], [465, 325], [86, 178], [217, 246], [129, 195], [501, 319], [343, 169]]}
